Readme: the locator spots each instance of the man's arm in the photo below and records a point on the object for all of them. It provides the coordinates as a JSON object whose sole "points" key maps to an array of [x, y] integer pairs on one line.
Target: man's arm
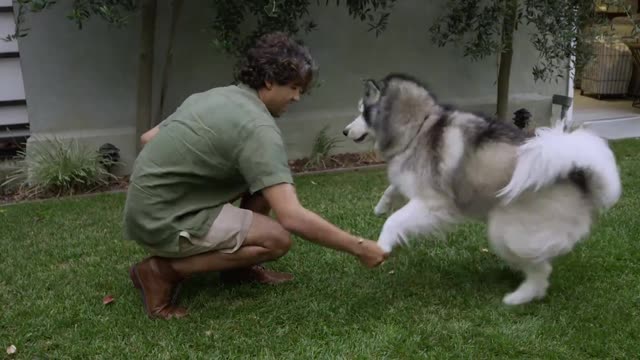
{"points": [[150, 134], [300, 221]]}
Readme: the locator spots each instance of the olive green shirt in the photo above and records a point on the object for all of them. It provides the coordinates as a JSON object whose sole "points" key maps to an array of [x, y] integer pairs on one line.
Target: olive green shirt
{"points": [[217, 145]]}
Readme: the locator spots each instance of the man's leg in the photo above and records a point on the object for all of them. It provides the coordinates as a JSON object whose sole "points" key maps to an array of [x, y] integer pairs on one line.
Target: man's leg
{"points": [[158, 277], [267, 240], [257, 272]]}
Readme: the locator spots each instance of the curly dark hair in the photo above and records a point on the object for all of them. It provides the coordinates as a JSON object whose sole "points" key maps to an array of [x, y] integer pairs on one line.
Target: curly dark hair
{"points": [[278, 58]]}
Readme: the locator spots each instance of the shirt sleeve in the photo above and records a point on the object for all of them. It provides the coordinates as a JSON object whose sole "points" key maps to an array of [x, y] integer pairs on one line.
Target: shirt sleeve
{"points": [[262, 159], [164, 122]]}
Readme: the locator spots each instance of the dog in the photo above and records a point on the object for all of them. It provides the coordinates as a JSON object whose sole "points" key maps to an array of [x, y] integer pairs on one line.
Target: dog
{"points": [[538, 194]]}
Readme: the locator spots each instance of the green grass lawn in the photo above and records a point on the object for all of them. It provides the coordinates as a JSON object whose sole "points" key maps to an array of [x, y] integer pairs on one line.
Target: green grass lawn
{"points": [[440, 300]]}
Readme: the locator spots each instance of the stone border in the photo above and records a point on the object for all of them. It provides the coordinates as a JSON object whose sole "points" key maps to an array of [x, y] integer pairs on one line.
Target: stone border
{"points": [[119, 191]]}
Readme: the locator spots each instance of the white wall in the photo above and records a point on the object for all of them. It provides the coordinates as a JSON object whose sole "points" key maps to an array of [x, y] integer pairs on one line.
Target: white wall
{"points": [[85, 81]]}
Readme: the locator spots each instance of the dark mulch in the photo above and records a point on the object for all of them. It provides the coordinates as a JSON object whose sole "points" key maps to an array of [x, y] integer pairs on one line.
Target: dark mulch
{"points": [[8, 197], [338, 161]]}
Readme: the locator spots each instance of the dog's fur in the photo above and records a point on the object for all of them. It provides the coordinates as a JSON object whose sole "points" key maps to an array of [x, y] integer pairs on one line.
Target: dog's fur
{"points": [[538, 195]]}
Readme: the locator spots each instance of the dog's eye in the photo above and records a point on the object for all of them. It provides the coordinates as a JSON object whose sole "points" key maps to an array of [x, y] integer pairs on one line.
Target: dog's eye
{"points": [[368, 114]]}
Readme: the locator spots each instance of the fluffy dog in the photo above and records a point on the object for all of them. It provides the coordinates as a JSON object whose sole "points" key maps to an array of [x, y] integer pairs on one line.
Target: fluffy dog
{"points": [[538, 196]]}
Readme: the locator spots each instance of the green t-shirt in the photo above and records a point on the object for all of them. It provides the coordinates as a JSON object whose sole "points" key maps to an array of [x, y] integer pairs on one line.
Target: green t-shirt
{"points": [[217, 145]]}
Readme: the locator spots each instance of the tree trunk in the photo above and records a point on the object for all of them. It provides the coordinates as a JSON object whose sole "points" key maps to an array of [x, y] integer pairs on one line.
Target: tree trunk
{"points": [[504, 71], [176, 8], [144, 104]]}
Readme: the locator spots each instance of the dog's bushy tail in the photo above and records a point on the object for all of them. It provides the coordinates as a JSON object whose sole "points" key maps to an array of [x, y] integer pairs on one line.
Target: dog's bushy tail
{"points": [[556, 152]]}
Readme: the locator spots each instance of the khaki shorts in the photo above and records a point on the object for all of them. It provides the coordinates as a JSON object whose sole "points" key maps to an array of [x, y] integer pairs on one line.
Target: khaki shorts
{"points": [[227, 234]]}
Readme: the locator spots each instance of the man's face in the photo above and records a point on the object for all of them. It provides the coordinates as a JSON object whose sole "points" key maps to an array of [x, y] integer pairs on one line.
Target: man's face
{"points": [[278, 97]]}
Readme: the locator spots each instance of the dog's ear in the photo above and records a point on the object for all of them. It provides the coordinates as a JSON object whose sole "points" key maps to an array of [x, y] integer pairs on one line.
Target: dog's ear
{"points": [[371, 92]]}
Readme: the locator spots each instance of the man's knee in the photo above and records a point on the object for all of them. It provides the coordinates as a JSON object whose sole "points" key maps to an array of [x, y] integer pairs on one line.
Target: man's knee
{"points": [[269, 235], [279, 241]]}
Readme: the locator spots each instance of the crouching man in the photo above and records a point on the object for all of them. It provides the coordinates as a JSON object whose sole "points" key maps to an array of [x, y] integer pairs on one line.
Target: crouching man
{"points": [[219, 146]]}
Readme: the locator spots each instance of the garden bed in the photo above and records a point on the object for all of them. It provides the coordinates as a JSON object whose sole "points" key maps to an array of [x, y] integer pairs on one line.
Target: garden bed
{"points": [[9, 197], [334, 162], [304, 166]]}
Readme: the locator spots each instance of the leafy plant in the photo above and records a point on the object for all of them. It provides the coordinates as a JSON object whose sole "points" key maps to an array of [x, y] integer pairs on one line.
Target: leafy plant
{"points": [[60, 168], [114, 12], [282, 15], [7, 168], [323, 145]]}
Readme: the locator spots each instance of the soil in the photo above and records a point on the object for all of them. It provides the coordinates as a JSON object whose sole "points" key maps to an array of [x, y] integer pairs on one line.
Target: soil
{"points": [[333, 162]]}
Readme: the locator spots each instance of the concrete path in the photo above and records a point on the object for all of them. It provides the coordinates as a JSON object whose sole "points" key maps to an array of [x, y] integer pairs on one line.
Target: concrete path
{"points": [[610, 118]]}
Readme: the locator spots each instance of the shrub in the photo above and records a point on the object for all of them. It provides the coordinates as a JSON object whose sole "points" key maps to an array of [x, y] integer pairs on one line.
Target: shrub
{"points": [[7, 168], [59, 167], [323, 145]]}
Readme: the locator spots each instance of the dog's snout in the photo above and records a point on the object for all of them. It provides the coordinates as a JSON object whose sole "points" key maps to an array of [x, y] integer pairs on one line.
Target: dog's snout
{"points": [[345, 132]]}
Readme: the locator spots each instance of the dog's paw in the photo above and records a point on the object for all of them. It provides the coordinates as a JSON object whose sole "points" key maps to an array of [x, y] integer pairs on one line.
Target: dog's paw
{"points": [[385, 246], [523, 296], [516, 298]]}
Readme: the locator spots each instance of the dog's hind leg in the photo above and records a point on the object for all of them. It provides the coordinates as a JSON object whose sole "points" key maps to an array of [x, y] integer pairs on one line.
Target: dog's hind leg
{"points": [[535, 229], [533, 287], [415, 218], [525, 246]]}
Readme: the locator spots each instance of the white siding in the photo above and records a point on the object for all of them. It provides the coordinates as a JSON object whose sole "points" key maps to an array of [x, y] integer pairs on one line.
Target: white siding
{"points": [[11, 115], [11, 81], [11, 86], [7, 26]]}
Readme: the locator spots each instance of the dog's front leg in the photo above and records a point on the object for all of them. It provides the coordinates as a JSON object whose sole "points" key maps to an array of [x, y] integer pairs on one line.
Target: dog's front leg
{"points": [[415, 218], [389, 199]]}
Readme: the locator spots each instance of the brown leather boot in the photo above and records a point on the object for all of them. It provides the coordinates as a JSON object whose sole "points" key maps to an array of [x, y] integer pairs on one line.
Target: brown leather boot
{"points": [[256, 273], [158, 284]]}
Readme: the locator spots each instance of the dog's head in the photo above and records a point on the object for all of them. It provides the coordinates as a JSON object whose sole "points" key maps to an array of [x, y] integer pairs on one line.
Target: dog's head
{"points": [[390, 110]]}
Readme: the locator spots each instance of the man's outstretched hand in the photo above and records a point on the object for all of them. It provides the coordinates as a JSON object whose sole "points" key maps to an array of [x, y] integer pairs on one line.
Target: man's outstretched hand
{"points": [[370, 254]]}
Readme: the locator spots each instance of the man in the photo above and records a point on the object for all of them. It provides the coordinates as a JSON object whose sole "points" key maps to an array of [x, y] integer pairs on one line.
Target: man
{"points": [[219, 146]]}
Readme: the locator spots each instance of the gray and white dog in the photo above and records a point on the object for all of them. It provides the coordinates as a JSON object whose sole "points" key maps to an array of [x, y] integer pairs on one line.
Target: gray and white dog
{"points": [[538, 195]]}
